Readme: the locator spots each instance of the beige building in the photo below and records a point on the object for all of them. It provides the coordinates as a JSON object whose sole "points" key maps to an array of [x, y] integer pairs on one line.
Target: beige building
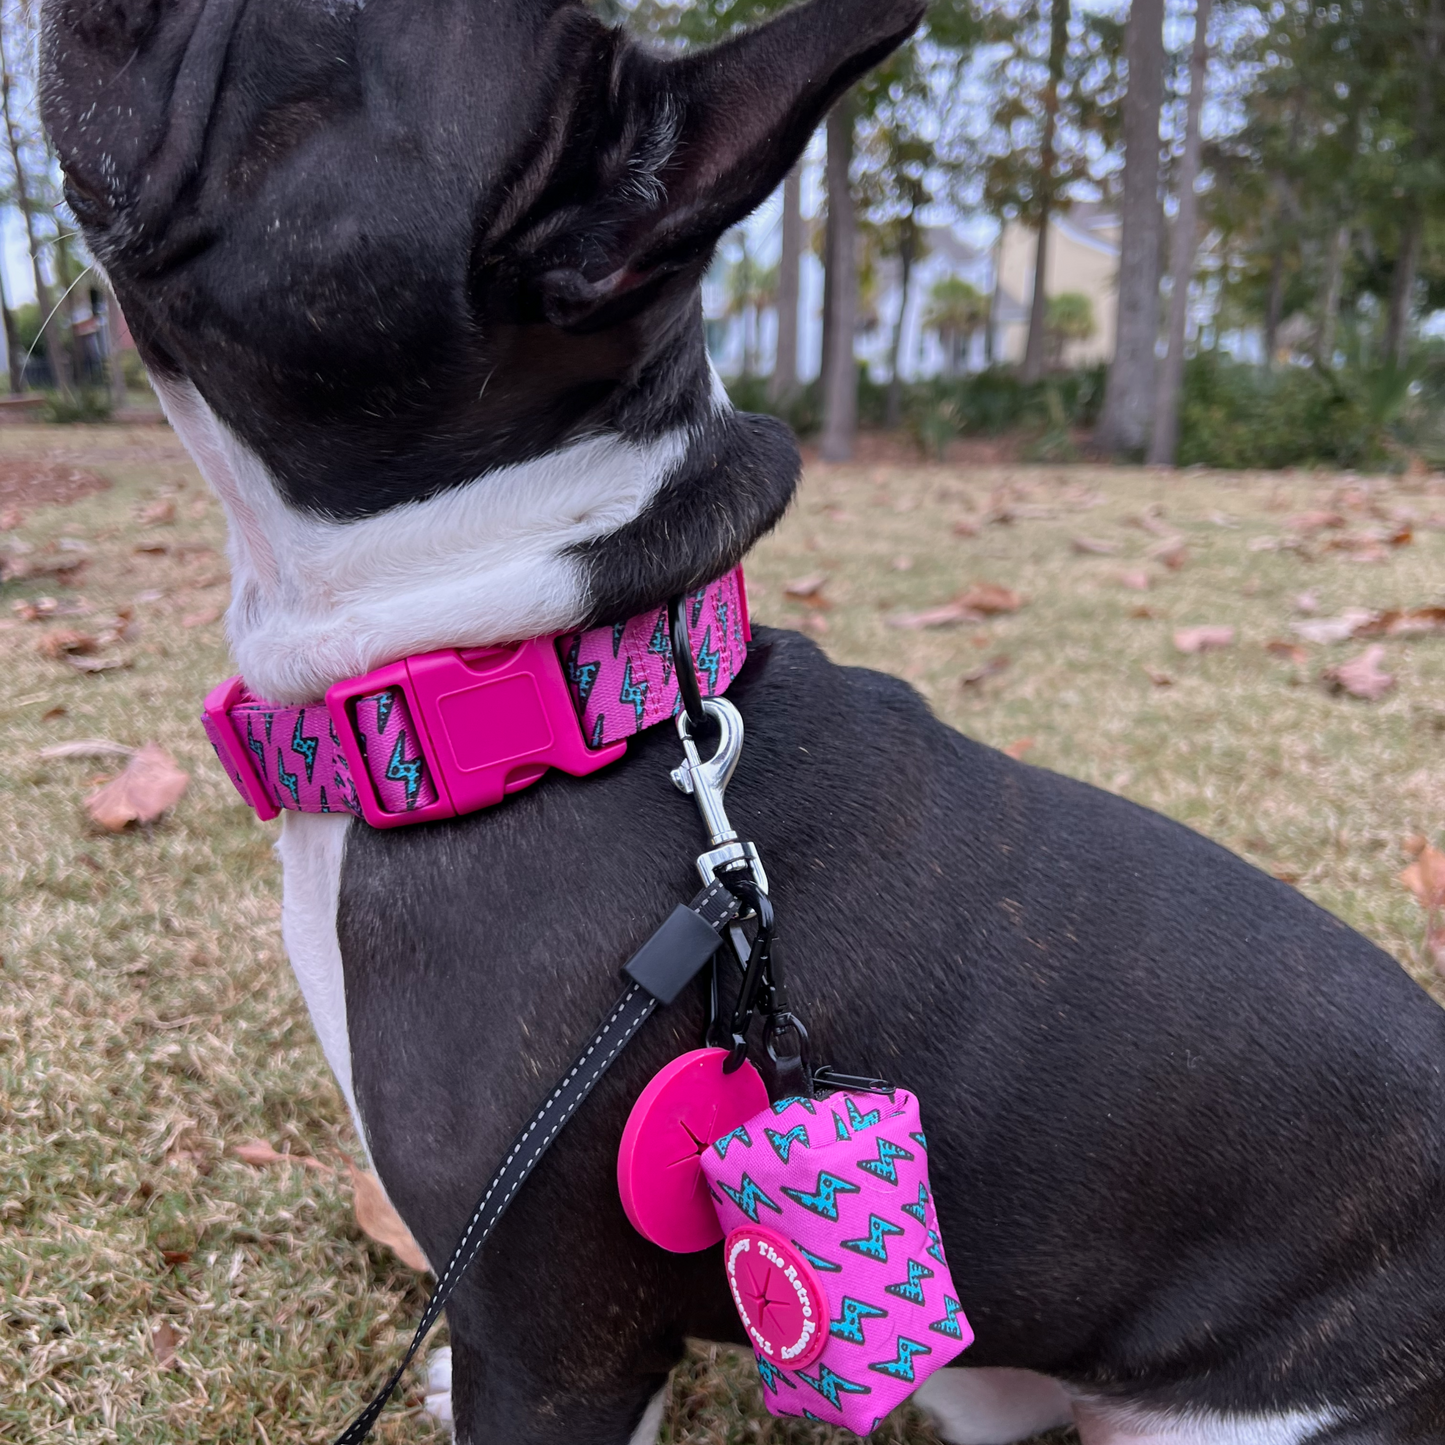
{"points": [[1083, 257]]}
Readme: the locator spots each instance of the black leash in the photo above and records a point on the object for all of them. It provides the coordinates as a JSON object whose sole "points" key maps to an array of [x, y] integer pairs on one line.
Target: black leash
{"points": [[658, 972]]}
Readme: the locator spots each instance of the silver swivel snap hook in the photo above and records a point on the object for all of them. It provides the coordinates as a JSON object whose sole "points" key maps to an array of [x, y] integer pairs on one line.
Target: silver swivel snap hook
{"points": [[706, 781]]}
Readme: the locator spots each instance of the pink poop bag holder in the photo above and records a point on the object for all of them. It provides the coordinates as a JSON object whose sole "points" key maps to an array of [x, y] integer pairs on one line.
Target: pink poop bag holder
{"points": [[830, 1238]]}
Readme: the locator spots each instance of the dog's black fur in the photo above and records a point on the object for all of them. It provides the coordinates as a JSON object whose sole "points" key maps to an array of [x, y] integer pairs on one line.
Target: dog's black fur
{"points": [[1187, 1130]]}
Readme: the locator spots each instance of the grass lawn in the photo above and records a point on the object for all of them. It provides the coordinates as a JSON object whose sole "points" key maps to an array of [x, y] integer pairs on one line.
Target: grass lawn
{"points": [[156, 1287]]}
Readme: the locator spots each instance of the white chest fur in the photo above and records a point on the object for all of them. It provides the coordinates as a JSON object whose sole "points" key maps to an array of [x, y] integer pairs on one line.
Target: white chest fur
{"points": [[316, 599]]}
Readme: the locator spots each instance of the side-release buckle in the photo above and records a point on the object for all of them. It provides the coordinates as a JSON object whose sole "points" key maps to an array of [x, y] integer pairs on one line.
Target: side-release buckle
{"points": [[490, 721]]}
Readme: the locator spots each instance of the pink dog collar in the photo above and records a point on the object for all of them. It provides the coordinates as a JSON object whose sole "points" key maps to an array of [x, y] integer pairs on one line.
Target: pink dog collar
{"points": [[447, 733]]}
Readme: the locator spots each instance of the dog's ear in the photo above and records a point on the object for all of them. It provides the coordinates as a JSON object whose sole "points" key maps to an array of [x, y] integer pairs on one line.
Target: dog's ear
{"points": [[688, 146]]}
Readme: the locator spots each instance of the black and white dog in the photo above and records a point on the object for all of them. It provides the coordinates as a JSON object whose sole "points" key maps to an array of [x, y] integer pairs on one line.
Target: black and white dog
{"points": [[418, 283]]}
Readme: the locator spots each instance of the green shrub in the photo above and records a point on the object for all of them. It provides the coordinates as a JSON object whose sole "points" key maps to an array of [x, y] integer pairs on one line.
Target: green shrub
{"points": [[81, 406], [1240, 416]]}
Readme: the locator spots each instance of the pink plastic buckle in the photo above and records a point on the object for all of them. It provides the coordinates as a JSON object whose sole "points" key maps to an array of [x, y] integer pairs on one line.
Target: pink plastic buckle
{"points": [[491, 721], [235, 756]]}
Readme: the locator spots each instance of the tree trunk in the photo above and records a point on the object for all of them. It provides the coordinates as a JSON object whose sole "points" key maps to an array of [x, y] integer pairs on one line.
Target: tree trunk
{"points": [[991, 325], [1129, 394], [53, 351], [1039, 308], [1164, 444], [14, 354], [840, 378], [1330, 297], [1407, 259], [1274, 306], [785, 368], [1402, 288], [895, 381]]}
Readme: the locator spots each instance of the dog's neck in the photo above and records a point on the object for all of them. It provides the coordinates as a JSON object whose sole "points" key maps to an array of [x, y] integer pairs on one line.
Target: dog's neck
{"points": [[593, 533]]}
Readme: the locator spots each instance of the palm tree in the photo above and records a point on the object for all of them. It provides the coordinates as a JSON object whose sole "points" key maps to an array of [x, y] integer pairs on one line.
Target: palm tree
{"points": [[956, 311], [1070, 317], [751, 290]]}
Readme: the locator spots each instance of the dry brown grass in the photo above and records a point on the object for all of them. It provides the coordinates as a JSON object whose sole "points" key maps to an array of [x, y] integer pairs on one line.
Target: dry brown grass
{"points": [[148, 1023]]}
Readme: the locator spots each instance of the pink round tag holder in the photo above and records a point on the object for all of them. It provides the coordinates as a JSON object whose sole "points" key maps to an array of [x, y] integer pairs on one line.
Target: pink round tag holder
{"points": [[688, 1105], [779, 1299]]}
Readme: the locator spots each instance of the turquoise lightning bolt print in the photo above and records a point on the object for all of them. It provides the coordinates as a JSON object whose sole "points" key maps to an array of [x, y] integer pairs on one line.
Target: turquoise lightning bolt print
{"points": [[883, 1166], [783, 1143], [911, 1289], [402, 769], [740, 1133], [901, 1367], [824, 1198], [949, 1324], [849, 1324], [747, 1196], [876, 1245], [920, 1210], [828, 1384], [304, 747]]}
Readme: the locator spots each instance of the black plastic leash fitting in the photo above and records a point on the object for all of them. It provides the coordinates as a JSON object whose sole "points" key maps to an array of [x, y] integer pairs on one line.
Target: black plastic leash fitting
{"points": [[683, 666], [745, 889], [792, 1074]]}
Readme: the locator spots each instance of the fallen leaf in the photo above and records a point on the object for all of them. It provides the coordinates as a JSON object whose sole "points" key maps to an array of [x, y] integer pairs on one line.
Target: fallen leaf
{"points": [[152, 549], [1159, 679], [165, 1339], [1017, 749], [808, 590], [1287, 875], [990, 599], [1172, 553], [1425, 878], [1203, 639], [1311, 522], [991, 668], [1151, 520], [259, 1153], [1361, 677], [1327, 630], [66, 640], [203, 618], [379, 1221], [1093, 547], [100, 664], [1143, 614], [965, 528], [150, 784], [50, 714], [948, 615], [1307, 604], [1404, 622], [158, 512], [1288, 651], [173, 1257], [61, 565], [87, 748], [1136, 581]]}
